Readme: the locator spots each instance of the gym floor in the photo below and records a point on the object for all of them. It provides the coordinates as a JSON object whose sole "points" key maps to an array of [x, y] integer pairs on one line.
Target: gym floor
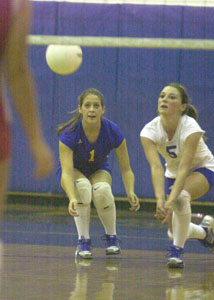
{"points": [[39, 263]]}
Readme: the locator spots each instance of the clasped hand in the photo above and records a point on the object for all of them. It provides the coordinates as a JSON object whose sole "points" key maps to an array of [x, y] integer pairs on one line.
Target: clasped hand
{"points": [[134, 202], [164, 210], [72, 208]]}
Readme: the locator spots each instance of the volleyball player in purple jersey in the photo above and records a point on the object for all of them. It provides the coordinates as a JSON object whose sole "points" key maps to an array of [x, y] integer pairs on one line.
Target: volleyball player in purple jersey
{"points": [[189, 174], [84, 146]]}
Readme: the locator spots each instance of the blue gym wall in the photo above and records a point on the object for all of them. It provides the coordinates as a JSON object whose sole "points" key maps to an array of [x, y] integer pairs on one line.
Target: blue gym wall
{"points": [[130, 79]]}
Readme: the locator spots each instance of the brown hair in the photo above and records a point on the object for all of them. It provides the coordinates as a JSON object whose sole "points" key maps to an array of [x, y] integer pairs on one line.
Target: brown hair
{"points": [[190, 109], [73, 122]]}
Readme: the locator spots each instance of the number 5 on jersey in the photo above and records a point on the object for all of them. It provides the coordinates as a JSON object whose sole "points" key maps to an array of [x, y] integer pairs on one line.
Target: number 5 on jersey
{"points": [[170, 151]]}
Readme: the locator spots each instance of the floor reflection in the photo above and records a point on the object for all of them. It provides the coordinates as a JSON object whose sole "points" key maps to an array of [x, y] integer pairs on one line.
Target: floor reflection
{"points": [[104, 289], [186, 290]]}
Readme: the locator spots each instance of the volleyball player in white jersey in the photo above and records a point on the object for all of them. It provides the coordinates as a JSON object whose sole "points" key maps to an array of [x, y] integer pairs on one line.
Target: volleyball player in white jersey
{"points": [[178, 138], [15, 18]]}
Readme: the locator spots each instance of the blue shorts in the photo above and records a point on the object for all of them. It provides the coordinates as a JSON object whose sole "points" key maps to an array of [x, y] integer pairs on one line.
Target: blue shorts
{"points": [[87, 171], [206, 172], [90, 171]]}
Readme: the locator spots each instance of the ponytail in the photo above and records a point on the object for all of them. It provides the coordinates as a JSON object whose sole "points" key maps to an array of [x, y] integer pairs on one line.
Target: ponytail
{"points": [[73, 123], [191, 111]]}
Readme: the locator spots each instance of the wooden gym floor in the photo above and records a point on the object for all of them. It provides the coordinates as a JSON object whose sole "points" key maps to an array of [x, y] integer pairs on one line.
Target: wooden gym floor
{"points": [[39, 263]]}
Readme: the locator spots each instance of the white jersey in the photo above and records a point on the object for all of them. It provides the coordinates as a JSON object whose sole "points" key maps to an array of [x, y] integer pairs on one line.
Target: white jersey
{"points": [[172, 150]]}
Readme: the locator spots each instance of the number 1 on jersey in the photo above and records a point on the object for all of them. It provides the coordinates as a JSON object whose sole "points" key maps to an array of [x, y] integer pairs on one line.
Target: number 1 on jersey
{"points": [[92, 156]]}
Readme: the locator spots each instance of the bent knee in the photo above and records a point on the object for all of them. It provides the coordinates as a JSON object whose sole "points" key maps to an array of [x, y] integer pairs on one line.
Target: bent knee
{"points": [[182, 204], [84, 190], [102, 196]]}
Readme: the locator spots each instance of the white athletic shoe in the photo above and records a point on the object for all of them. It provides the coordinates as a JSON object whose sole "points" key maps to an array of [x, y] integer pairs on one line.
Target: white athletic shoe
{"points": [[175, 257], [83, 248], [112, 244], [208, 225]]}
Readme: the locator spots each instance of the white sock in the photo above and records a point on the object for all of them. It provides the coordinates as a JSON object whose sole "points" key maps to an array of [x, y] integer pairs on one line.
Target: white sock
{"points": [[180, 228], [82, 221], [169, 233], [108, 219], [196, 232]]}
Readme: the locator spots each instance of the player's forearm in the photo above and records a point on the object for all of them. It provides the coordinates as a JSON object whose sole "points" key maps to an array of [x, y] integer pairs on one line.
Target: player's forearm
{"points": [[23, 91], [179, 183], [158, 183], [128, 181], [67, 184]]}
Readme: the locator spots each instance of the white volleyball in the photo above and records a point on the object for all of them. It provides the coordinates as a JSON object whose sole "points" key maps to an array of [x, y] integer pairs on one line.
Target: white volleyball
{"points": [[63, 59]]}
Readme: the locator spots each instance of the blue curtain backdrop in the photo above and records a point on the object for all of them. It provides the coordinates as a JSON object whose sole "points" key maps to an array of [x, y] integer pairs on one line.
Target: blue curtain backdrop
{"points": [[130, 79]]}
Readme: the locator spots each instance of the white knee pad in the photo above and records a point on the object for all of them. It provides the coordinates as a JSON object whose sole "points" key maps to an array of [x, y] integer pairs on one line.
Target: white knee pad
{"points": [[84, 190], [102, 196], [182, 204]]}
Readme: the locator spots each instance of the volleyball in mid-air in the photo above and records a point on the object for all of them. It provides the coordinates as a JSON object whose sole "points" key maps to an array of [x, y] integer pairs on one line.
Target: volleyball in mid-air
{"points": [[64, 59]]}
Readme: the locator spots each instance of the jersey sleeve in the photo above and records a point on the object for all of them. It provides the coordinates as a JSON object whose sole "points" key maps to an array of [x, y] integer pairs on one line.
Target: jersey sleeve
{"points": [[68, 138], [149, 131], [191, 127], [117, 135]]}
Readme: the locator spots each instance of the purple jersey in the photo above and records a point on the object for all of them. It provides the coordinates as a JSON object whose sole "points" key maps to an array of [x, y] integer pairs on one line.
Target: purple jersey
{"points": [[88, 158]]}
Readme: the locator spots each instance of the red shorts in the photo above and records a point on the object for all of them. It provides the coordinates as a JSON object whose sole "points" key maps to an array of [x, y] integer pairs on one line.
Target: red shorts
{"points": [[5, 141], [5, 129]]}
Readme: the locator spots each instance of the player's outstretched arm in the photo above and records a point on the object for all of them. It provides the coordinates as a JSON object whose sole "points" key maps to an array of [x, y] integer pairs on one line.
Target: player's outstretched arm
{"points": [[157, 173], [127, 175], [67, 178]]}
